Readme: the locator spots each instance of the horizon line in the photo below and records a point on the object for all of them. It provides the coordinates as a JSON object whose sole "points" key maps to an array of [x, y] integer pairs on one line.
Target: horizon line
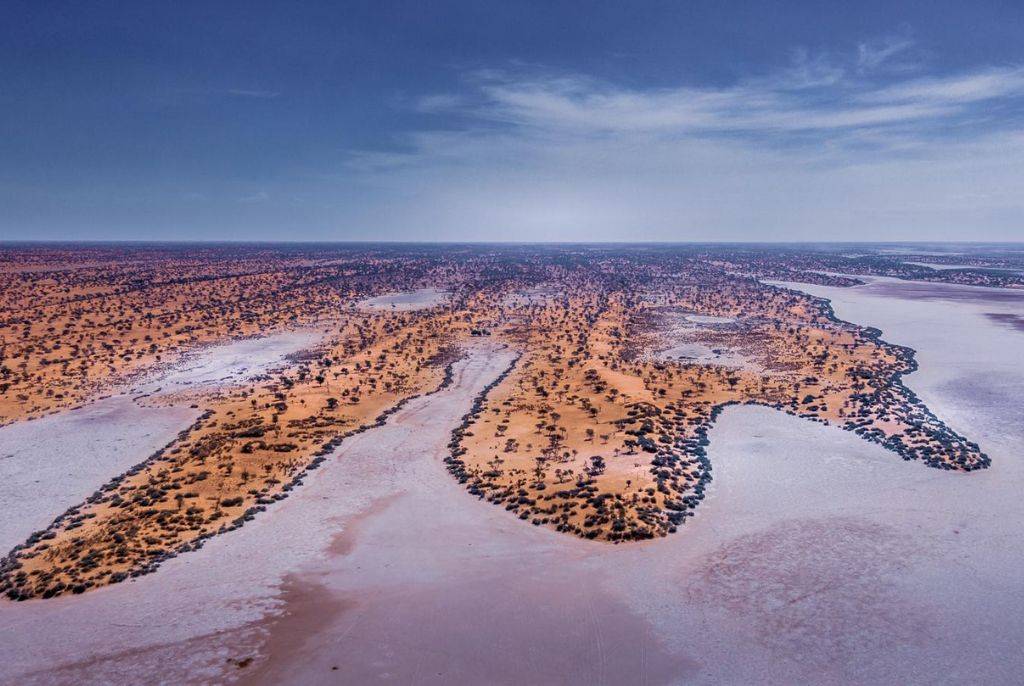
{"points": [[113, 241]]}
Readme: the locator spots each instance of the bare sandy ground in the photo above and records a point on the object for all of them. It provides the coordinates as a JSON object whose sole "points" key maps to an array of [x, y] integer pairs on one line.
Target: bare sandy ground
{"points": [[944, 267], [231, 363], [702, 354], [207, 607], [52, 463], [690, 351], [709, 319], [901, 289], [926, 592], [817, 557], [434, 586], [413, 300]]}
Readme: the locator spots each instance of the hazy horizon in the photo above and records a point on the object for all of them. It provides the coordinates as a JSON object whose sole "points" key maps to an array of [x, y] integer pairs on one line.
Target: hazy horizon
{"points": [[553, 243]]}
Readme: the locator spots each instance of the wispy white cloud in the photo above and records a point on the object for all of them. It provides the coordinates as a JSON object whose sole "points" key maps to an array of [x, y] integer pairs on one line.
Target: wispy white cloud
{"points": [[816, 150], [873, 54], [807, 70], [259, 94], [955, 91], [255, 197], [439, 102], [804, 98]]}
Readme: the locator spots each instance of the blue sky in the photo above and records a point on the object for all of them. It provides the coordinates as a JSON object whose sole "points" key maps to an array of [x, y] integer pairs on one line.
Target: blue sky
{"points": [[527, 121]]}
